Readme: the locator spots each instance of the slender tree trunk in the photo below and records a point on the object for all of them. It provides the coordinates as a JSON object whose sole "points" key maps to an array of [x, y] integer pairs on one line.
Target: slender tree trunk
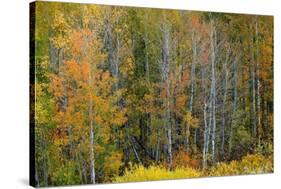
{"points": [[205, 147], [146, 48], [254, 101], [37, 181], [224, 104], [116, 62], [165, 76], [206, 126], [169, 126], [92, 154], [157, 156], [253, 78], [77, 159], [259, 126], [194, 56], [134, 149], [209, 111], [234, 116], [213, 86]]}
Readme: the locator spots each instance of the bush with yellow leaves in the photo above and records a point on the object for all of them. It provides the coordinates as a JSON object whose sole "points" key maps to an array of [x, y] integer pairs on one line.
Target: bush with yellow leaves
{"points": [[140, 173], [250, 164], [255, 164]]}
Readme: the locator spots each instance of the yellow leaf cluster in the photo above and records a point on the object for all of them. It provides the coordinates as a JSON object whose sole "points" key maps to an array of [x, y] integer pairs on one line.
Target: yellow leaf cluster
{"points": [[140, 173], [250, 164]]}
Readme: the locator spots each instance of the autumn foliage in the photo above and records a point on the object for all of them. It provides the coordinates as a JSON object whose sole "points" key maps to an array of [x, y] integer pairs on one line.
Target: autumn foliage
{"points": [[128, 94]]}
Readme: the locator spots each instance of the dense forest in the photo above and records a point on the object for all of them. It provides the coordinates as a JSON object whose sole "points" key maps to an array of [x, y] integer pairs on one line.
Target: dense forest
{"points": [[130, 94]]}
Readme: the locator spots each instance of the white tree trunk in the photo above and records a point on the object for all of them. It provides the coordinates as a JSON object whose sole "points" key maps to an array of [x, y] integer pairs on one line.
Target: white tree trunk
{"points": [[165, 70], [258, 85], [224, 104], [146, 48], [213, 86], [92, 154], [205, 147], [194, 56]]}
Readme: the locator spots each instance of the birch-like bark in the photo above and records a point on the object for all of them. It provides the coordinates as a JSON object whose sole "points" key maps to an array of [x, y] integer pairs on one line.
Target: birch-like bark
{"points": [[91, 122], [134, 149], [259, 126], [165, 69], [146, 47], [205, 147], [206, 126], [213, 86], [194, 56], [224, 103]]}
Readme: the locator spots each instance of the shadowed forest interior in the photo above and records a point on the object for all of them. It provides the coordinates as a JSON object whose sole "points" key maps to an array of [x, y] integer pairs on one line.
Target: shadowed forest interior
{"points": [[128, 94]]}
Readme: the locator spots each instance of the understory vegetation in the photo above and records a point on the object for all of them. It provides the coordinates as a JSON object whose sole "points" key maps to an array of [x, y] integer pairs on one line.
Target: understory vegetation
{"points": [[140, 173], [250, 164]]}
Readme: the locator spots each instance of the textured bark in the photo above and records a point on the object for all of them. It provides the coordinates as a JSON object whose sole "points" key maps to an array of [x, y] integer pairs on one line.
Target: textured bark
{"points": [[165, 69], [225, 89], [194, 56], [259, 126], [205, 146], [213, 85], [134, 149], [92, 154], [146, 48], [206, 133]]}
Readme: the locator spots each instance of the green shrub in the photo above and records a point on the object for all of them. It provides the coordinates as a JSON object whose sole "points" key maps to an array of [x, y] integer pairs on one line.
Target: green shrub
{"points": [[66, 175], [140, 173]]}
